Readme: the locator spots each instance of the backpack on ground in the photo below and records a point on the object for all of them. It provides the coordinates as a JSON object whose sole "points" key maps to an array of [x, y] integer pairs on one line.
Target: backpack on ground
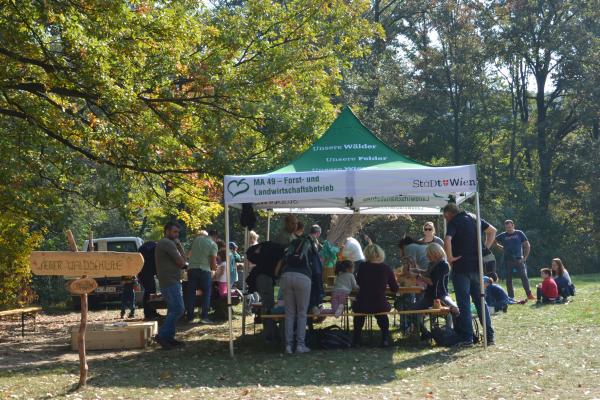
{"points": [[444, 336], [333, 338]]}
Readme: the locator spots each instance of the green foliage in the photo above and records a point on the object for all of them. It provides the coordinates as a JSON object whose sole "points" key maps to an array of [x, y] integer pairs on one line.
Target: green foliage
{"points": [[16, 242], [510, 86]]}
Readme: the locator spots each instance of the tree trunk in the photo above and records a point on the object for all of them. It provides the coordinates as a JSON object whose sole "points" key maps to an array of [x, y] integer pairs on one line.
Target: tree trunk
{"points": [[545, 158]]}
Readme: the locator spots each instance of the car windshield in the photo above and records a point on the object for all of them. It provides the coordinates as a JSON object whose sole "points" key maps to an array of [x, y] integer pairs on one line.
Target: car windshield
{"points": [[122, 246]]}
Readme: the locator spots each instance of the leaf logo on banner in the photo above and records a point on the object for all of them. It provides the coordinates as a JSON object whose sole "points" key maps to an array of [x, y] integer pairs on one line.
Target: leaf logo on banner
{"points": [[237, 187]]}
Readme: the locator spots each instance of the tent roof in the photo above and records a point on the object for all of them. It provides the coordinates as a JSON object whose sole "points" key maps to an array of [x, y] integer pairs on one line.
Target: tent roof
{"points": [[348, 170], [348, 145]]}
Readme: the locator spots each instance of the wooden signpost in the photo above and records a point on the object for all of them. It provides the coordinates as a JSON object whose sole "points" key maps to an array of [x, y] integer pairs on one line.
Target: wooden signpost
{"points": [[87, 265]]}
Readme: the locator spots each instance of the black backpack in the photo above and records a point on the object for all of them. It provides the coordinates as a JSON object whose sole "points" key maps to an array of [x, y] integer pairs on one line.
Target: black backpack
{"points": [[444, 336], [333, 338]]}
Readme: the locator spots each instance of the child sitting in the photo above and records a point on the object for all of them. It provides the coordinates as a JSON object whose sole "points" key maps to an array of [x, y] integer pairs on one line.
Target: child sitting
{"points": [[344, 284], [128, 295], [495, 296], [547, 291]]}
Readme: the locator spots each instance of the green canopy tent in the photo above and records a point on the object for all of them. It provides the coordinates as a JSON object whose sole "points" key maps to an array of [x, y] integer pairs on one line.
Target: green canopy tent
{"points": [[349, 170]]}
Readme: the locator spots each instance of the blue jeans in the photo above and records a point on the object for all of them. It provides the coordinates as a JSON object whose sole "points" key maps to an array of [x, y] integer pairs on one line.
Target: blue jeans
{"points": [[198, 279], [466, 288], [173, 296], [128, 298]]}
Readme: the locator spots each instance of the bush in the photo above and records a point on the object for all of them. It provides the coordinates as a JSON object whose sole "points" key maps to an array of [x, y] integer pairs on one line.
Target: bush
{"points": [[16, 243]]}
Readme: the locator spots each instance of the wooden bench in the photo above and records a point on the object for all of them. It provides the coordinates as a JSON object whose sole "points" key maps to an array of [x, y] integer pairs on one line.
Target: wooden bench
{"points": [[23, 312], [436, 312]]}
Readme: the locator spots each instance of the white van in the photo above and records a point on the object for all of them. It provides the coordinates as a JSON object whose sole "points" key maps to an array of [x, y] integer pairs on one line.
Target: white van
{"points": [[109, 288]]}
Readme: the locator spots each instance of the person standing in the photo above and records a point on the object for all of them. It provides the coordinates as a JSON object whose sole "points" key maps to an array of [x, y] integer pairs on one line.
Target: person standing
{"points": [[353, 251], [268, 258], [429, 235], [516, 248], [317, 292], [146, 278], [203, 261], [169, 263], [296, 285], [461, 248]]}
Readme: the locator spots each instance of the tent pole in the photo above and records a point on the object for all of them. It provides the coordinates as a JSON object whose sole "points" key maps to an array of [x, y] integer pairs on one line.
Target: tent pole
{"points": [[228, 277], [244, 282], [480, 258], [268, 225]]}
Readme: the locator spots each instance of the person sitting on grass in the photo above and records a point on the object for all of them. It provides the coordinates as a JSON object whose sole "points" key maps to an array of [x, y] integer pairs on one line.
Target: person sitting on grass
{"points": [[373, 277], [547, 291], [562, 279], [495, 296], [437, 285], [344, 284]]}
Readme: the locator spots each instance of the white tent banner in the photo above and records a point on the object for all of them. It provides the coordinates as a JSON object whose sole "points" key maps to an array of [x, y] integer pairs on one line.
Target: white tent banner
{"points": [[378, 187]]}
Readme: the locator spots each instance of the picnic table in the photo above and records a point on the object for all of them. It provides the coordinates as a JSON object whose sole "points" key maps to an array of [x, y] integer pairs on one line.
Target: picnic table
{"points": [[23, 312]]}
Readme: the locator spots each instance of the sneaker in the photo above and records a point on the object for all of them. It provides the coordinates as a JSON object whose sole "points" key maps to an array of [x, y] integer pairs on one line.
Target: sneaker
{"points": [[300, 349], [176, 343], [339, 311], [163, 343], [206, 321], [530, 296], [491, 342], [288, 350], [505, 308]]}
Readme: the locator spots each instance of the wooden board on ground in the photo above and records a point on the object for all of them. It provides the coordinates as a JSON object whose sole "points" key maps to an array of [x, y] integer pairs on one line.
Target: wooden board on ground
{"points": [[134, 335], [91, 264]]}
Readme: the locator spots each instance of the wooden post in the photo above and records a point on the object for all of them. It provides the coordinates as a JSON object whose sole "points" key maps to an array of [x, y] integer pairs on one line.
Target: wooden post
{"points": [[83, 366]]}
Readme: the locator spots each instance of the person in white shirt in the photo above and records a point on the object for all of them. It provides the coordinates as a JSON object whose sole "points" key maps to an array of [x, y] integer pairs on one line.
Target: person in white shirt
{"points": [[353, 251]]}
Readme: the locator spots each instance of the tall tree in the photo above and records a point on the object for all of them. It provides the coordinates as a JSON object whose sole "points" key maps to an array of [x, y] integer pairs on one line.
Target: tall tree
{"points": [[551, 36]]}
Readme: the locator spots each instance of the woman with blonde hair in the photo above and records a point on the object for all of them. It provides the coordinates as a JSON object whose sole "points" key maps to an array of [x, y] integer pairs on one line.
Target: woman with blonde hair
{"points": [[437, 282], [429, 234], [437, 286], [373, 277]]}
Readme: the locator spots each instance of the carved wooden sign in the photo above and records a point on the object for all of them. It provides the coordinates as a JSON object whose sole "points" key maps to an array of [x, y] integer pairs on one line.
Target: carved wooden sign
{"points": [[91, 264], [82, 286]]}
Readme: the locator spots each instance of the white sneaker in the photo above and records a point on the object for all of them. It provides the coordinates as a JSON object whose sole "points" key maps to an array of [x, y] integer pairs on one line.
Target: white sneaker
{"points": [[288, 350], [339, 311], [300, 349]]}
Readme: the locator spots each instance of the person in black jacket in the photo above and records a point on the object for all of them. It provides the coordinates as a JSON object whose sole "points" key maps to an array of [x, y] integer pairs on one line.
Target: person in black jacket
{"points": [[146, 278], [373, 277], [268, 257], [437, 286]]}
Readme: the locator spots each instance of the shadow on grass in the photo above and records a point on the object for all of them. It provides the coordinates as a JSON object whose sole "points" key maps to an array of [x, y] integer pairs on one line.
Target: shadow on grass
{"points": [[205, 362]]}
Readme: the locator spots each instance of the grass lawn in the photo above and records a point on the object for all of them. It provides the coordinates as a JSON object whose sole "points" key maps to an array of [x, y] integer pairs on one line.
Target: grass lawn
{"points": [[541, 352]]}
